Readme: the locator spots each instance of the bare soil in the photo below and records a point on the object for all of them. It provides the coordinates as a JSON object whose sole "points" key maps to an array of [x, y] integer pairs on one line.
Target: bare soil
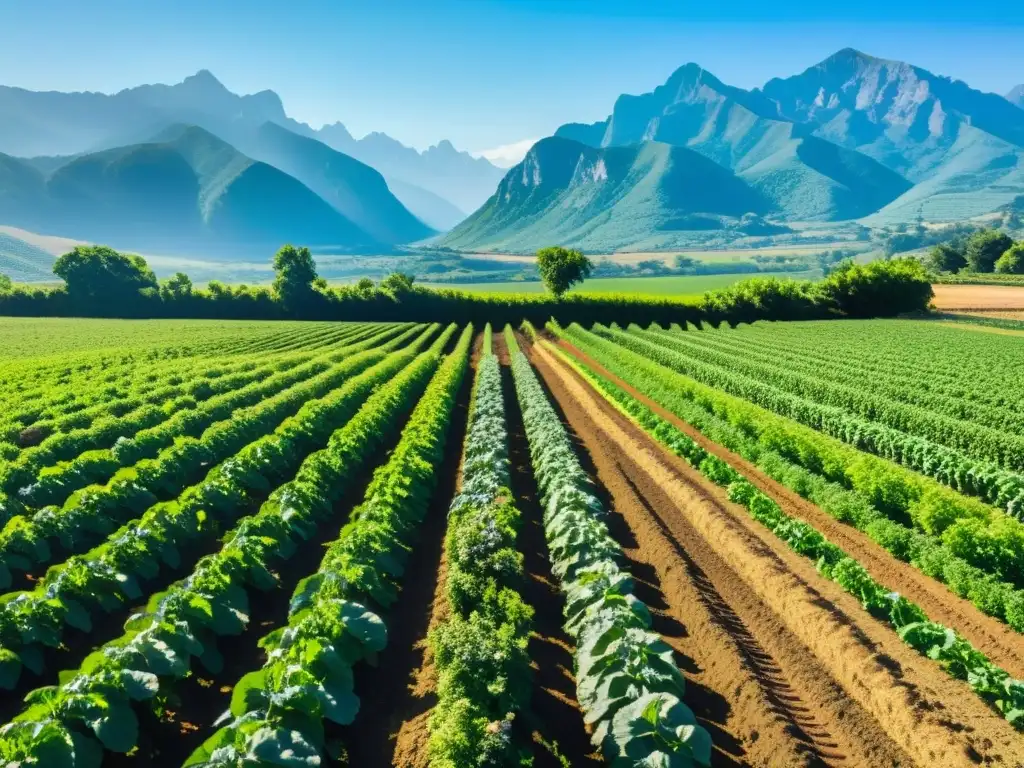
{"points": [[978, 297], [785, 668]]}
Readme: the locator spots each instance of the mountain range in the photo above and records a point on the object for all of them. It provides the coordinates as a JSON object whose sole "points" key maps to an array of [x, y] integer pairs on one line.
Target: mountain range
{"points": [[854, 137], [194, 169], [184, 191], [440, 186]]}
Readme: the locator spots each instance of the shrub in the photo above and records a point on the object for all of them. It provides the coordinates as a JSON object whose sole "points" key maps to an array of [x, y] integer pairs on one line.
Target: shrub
{"points": [[1012, 261]]}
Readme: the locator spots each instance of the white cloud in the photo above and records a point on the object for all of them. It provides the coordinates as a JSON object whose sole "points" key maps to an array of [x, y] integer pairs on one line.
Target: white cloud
{"points": [[507, 155]]}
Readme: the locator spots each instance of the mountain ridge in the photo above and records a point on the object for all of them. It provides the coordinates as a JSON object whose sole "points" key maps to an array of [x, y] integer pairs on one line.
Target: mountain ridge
{"points": [[184, 191], [604, 198], [40, 123]]}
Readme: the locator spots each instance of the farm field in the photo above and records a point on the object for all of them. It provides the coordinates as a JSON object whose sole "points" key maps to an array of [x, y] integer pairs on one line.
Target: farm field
{"points": [[672, 285], [965, 298], [411, 544]]}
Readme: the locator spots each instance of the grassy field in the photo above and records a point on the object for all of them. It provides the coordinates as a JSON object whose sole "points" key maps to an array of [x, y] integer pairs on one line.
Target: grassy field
{"points": [[672, 285]]}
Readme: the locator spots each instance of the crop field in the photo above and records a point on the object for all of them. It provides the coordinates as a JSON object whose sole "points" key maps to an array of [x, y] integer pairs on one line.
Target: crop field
{"points": [[671, 285], [371, 544]]}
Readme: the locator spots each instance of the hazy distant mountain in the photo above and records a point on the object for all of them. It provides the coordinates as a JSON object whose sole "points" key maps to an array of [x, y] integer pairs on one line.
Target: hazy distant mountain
{"points": [[962, 148], [351, 187], [186, 191], [806, 178], [458, 177], [432, 209], [565, 191], [1016, 96], [53, 123]]}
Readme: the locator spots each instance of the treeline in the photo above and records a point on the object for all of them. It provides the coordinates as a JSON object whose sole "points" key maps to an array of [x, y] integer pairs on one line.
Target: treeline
{"points": [[100, 282], [987, 251]]}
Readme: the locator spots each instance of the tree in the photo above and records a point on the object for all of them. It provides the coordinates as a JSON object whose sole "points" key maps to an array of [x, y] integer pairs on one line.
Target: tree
{"points": [[1012, 262], [397, 283], [365, 285], [985, 247], [945, 258], [6, 286], [562, 268], [683, 262], [176, 287], [878, 289], [296, 274], [102, 276]]}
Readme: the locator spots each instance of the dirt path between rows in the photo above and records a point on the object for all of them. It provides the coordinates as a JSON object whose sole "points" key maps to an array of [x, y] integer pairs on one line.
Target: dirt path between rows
{"points": [[398, 694], [998, 641], [828, 684], [555, 717]]}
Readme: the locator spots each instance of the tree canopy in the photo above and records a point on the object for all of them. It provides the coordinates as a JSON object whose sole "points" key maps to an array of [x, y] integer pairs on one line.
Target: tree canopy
{"points": [[1012, 261], [946, 258], [985, 247], [296, 275], [96, 273], [562, 268]]}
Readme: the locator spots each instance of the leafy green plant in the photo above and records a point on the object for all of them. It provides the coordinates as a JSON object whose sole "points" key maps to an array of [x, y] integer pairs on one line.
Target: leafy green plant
{"points": [[619, 661]]}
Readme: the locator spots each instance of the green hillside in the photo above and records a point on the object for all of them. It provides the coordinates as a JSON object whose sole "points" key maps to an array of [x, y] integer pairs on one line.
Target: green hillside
{"points": [[601, 199], [354, 189], [24, 262], [185, 192]]}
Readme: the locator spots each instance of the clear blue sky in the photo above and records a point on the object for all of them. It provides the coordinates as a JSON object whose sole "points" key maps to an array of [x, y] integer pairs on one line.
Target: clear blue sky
{"points": [[483, 72]]}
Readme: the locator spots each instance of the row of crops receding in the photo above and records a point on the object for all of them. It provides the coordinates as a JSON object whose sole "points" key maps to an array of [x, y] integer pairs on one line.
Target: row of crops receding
{"points": [[218, 547]]}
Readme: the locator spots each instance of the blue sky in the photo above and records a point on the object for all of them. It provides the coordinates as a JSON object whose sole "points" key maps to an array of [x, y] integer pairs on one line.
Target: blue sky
{"points": [[483, 73]]}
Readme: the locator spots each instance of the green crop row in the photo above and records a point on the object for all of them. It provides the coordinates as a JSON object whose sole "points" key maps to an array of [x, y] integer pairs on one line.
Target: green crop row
{"points": [[627, 682], [972, 548], [949, 467], [882, 393], [941, 644], [107, 578], [308, 678], [480, 651], [764, 380], [142, 432], [92, 709], [98, 510], [70, 398]]}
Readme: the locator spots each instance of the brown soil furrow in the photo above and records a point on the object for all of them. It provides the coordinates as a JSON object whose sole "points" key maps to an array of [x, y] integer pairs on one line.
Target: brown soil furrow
{"points": [[935, 719], [555, 718], [398, 693], [998, 641], [731, 647]]}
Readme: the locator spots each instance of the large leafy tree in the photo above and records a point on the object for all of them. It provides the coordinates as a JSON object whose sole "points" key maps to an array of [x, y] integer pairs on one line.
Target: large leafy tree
{"points": [[946, 258], [562, 268], [985, 247], [6, 286], [98, 275], [296, 277]]}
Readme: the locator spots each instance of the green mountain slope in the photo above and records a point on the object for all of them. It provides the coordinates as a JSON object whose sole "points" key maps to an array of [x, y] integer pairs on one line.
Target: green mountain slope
{"points": [[185, 192], [805, 177], [354, 189], [24, 262], [604, 198]]}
